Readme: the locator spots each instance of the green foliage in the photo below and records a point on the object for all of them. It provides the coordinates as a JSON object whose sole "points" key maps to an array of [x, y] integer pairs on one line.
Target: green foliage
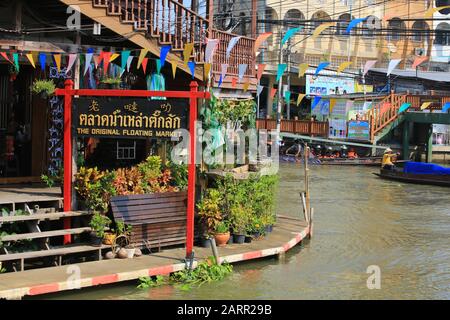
{"points": [[123, 233], [222, 227], [224, 110], [209, 210], [206, 271], [115, 81], [51, 179], [44, 86], [99, 223], [179, 174]]}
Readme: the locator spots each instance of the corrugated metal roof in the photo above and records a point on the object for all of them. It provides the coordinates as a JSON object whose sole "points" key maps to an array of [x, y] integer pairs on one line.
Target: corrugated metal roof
{"points": [[426, 75]]}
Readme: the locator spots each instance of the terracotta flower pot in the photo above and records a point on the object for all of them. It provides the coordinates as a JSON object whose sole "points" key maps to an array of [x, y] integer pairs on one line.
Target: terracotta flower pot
{"points": [[109, 238], [222, 238]]}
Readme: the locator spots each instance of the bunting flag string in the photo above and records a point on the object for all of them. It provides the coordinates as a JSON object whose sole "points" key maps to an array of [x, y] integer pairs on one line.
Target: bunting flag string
{"points": [[281, 68], [302, 69], [392, 64], [5, 55], [129, 61], [16, 60], [261, 68], [42, 60], [211, 45], [231, 45], [429, 13], [124, 59], [191, 65], [321, 28], [425, 105], [87, 64], [272, 93], [187, 52], [233, 82], [300, 98], [259, 89], [158, 66], [353, 24], [144, 65], [315, 102], [174, 68], [207, 70], [418, 61], [446, 107], [141, 57], [224, 68], [289, 34], [260, 40], [332, 104], [245, 86], [343, 66], [369, 64], [320, 67], [31, 59], [242, 68], [72, 59], [114, 56], [404, 107], [57, 58], [287, 96], [163, 54]]}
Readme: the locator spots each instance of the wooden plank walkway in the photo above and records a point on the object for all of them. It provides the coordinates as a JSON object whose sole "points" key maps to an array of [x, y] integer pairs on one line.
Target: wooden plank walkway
{"points": [[286, 234], [27, 194]]}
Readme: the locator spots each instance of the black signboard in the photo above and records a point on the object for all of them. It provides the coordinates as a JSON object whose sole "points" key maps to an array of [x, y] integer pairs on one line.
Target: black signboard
{"points": [[132, 118]]}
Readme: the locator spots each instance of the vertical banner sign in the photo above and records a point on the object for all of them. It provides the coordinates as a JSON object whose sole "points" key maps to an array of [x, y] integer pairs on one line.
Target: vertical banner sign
{"points": [[129, 117]]}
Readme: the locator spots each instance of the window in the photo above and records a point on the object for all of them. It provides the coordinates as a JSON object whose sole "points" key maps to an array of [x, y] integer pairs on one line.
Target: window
{"points": [[370, 26], [443, 3], [396, 29], [318, 18], [126, 150], [442, 34], [419, 29], [342, 24], [293, 16]]}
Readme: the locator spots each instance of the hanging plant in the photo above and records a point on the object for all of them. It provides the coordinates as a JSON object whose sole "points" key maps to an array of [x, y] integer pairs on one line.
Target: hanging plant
{"points": [[45, 88]]}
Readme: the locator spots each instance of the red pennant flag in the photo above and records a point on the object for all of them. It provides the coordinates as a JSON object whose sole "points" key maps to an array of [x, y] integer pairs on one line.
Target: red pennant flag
{"points": [[4, 55], [144, 65], [233, 82], [272, 93], [106, 59], [419, 61], [261, 68]]}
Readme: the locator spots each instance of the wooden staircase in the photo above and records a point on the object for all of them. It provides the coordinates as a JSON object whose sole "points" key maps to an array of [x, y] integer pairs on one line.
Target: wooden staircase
{"points": [[154, 23]]}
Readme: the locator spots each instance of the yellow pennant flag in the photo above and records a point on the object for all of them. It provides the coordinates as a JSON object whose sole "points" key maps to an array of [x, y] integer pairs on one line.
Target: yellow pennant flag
{"points": [[187, 52], [302, 69], [425, 105], [114, 56], [300, 98], [431, 11], [332, 104], [174, 68], [207, 70], [246, 85], [343, 66], [321, 28], [141, 57], [57, 58], [31, 58]]}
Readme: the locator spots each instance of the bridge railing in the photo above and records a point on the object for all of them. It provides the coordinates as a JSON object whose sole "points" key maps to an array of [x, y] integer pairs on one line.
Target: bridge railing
{"points": [[315, 128]]}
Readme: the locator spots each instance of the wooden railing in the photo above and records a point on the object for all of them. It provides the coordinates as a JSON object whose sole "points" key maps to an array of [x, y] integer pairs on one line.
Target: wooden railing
{"points": [[172, 23], [313, 128]]}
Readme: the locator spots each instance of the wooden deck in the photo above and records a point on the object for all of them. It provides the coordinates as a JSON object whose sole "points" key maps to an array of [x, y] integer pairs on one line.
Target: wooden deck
{"points": [[286, 234], [11, 195]]}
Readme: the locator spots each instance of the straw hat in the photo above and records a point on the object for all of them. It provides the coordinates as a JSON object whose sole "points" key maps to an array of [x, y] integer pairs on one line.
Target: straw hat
{"points": [[388, 150]]}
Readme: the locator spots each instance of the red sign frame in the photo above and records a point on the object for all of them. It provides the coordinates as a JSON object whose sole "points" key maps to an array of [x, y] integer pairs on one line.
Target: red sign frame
{"points": [[68, 92]]}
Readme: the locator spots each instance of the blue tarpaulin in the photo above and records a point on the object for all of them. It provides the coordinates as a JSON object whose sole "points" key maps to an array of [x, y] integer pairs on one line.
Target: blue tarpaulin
{"points": [[424, 168]]}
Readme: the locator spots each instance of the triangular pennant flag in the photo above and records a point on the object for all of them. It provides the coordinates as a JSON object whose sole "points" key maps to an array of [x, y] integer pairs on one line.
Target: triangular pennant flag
{"points": [[259, 89], [231, 45], [16, 60], [446, 107], [220, 80], [87, 63], [280, 71], [429, 13], [174, 68], [392, 64], [320, 67], [163, 54], [425, 105], [97, 59], [233, 82], [300, 98], [245, 86], [187, 52], [315, 102], [57, 58], [418, 61], [343, 66], [332, 104], [142, 55], [272, 92], [129, 61], [31, 59], [302, 69], [144, 65], [158, 66], [124, 59], [321, 28], [261, 38], [72, 59], [289, 34], [207, 70], [404, 107], [42, 60], [242, 68], [211, 45], [223, 72], [106, 61], [114, 56], [369, 64], [191, 65], [287, 96], [353, 24], [5, 55], [261, 68]]}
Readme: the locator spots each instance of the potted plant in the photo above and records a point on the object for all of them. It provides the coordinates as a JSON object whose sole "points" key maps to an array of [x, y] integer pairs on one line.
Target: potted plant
{"points": [[239, 218], [112, 83], [98, 225], [209, 212], [222, 234], [123, 235], [44, 88]]}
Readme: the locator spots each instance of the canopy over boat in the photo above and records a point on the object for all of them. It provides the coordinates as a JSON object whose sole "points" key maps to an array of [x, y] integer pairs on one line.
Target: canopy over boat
{"points": [[425, 168]]}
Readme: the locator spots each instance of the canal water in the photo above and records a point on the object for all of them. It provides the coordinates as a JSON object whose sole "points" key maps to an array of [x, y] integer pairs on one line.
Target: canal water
{"points": [[360, 221]]}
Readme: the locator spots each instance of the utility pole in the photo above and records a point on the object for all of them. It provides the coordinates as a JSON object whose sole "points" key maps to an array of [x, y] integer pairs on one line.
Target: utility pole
{"points": [[280, 82], [288, 103]]}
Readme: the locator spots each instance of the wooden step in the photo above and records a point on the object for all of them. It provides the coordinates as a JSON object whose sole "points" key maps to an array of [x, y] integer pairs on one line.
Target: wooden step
{"points": [[43, 216], [60, 251], [44, 234]]}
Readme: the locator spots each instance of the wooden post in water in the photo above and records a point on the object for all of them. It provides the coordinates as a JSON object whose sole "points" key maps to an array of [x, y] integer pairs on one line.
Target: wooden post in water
{"points": [[306, 156]]}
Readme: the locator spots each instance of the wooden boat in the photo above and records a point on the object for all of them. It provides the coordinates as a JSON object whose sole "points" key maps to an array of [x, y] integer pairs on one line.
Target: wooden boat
{"points": [[432, 179], [370, 161]]}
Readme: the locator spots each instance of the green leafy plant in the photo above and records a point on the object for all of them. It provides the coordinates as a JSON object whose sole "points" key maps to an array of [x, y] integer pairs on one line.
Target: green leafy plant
{"points": [[43, 86], [209, 210], [123, 233], [51, 179], [223, 227], [95, 187], [99, 223], [114, 81], [149, 282]]}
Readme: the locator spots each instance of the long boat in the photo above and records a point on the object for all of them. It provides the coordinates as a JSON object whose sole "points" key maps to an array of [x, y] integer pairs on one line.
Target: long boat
{"points": [[437, 177], [369, 161]]}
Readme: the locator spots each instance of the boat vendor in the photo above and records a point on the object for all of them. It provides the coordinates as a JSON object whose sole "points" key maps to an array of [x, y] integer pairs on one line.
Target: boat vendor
{"points": [[388, 159], [295, 149]]}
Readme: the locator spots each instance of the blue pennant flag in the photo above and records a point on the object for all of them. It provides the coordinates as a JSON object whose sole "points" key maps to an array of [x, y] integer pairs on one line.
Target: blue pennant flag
{"points": [[191, 65], [446, 107], [353, 24], [281, 69], [289, 34], [315, 102], [163, 54], [158, 66], [42, 60], [321, 66], [404, 107], [125, 55]]}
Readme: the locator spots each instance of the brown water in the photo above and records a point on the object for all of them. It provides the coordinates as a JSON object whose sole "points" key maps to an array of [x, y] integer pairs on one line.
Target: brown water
{"points": [[360, 220]]}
